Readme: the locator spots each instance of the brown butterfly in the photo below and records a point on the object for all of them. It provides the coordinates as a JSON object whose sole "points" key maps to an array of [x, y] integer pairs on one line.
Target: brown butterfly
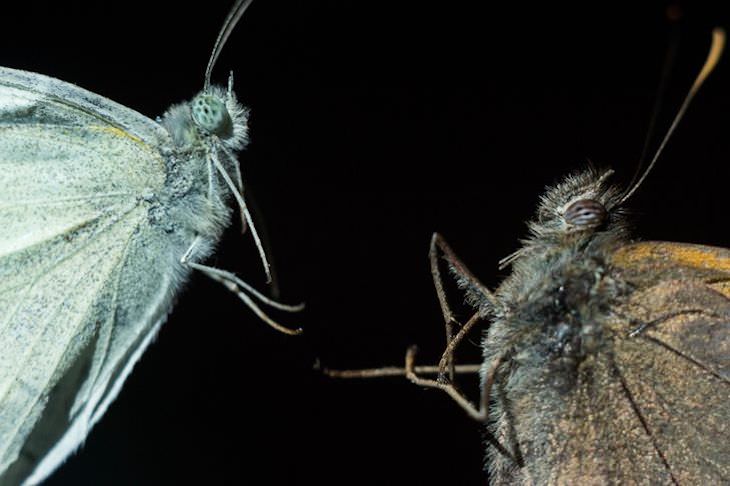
{"points": [[605, 361]]}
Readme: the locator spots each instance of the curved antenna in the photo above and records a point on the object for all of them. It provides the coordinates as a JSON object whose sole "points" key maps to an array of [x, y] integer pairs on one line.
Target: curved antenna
{"points": [[233, 17], [659, 99], [716, 48]]}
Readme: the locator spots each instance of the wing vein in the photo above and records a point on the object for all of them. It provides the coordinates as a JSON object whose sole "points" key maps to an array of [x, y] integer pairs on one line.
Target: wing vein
{"points": [[37, 277], [43, 270], [107, 336], [644, 423], [690, 359], [62, 200], [25, 358], [23, 363]]}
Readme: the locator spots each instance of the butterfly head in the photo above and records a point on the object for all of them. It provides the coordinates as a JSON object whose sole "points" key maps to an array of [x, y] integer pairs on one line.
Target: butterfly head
{"points": [[210, 114], [216, 112], [580, 206]]}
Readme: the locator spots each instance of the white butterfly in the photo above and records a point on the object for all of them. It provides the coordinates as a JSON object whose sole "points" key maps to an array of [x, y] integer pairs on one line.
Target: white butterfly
{"points": [[103, 215]]}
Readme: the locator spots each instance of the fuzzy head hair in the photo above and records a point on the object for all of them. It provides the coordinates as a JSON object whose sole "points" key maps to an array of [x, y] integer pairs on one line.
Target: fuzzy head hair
{"points": [[582, 204], [214, 112], [572, 213]]}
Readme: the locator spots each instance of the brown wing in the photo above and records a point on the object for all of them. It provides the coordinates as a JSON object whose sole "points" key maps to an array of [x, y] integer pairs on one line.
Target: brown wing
{"points": [[676, 362], [652, 405]]}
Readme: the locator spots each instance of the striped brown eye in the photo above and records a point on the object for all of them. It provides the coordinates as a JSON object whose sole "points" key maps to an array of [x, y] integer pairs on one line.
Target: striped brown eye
{"points": [[586, 213]]}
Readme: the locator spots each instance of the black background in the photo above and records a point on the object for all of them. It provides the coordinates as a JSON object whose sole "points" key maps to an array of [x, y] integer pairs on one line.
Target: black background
{"points": [[372, 126]]}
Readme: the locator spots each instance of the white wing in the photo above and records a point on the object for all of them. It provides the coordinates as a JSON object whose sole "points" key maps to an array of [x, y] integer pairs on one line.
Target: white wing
{"points": [[85, 278]]}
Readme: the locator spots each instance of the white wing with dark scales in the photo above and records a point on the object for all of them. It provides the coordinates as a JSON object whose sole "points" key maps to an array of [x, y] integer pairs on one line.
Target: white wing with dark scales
{"points": [[78, 174]]}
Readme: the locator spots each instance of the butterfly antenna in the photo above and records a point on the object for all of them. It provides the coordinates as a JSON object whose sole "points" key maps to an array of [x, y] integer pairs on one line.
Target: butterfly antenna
{"points": [[716, 48], [230, 23], [660, 97]]}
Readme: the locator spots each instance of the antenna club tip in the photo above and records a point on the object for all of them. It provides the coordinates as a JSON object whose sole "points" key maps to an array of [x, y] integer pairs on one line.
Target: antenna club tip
{"points": [[718, 34]]}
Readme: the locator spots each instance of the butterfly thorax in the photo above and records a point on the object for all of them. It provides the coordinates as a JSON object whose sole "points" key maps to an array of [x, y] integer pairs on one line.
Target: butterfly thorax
{"points": [[559, 314], [557, 338], [211, 127]]}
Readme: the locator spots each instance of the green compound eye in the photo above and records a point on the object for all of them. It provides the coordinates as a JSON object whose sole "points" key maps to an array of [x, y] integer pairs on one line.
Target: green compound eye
{"points": [[210, 114]]}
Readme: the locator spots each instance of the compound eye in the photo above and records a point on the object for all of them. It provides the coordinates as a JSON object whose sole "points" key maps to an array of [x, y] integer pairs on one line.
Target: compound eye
{"points": [[586, 214], [210, 114]]}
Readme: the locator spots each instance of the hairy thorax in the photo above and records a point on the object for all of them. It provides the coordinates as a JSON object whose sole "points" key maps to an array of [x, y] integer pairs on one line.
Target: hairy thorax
{"points": [[555, 339]]}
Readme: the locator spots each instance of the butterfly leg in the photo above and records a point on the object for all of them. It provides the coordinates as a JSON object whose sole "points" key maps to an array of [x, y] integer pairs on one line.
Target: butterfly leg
{"points": [[449, 319], [242, 290], [480, 414], [447, 357], [452, 341], [244, 209], [234, 159], [438, 242], [239, 185], [238, 181]]}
